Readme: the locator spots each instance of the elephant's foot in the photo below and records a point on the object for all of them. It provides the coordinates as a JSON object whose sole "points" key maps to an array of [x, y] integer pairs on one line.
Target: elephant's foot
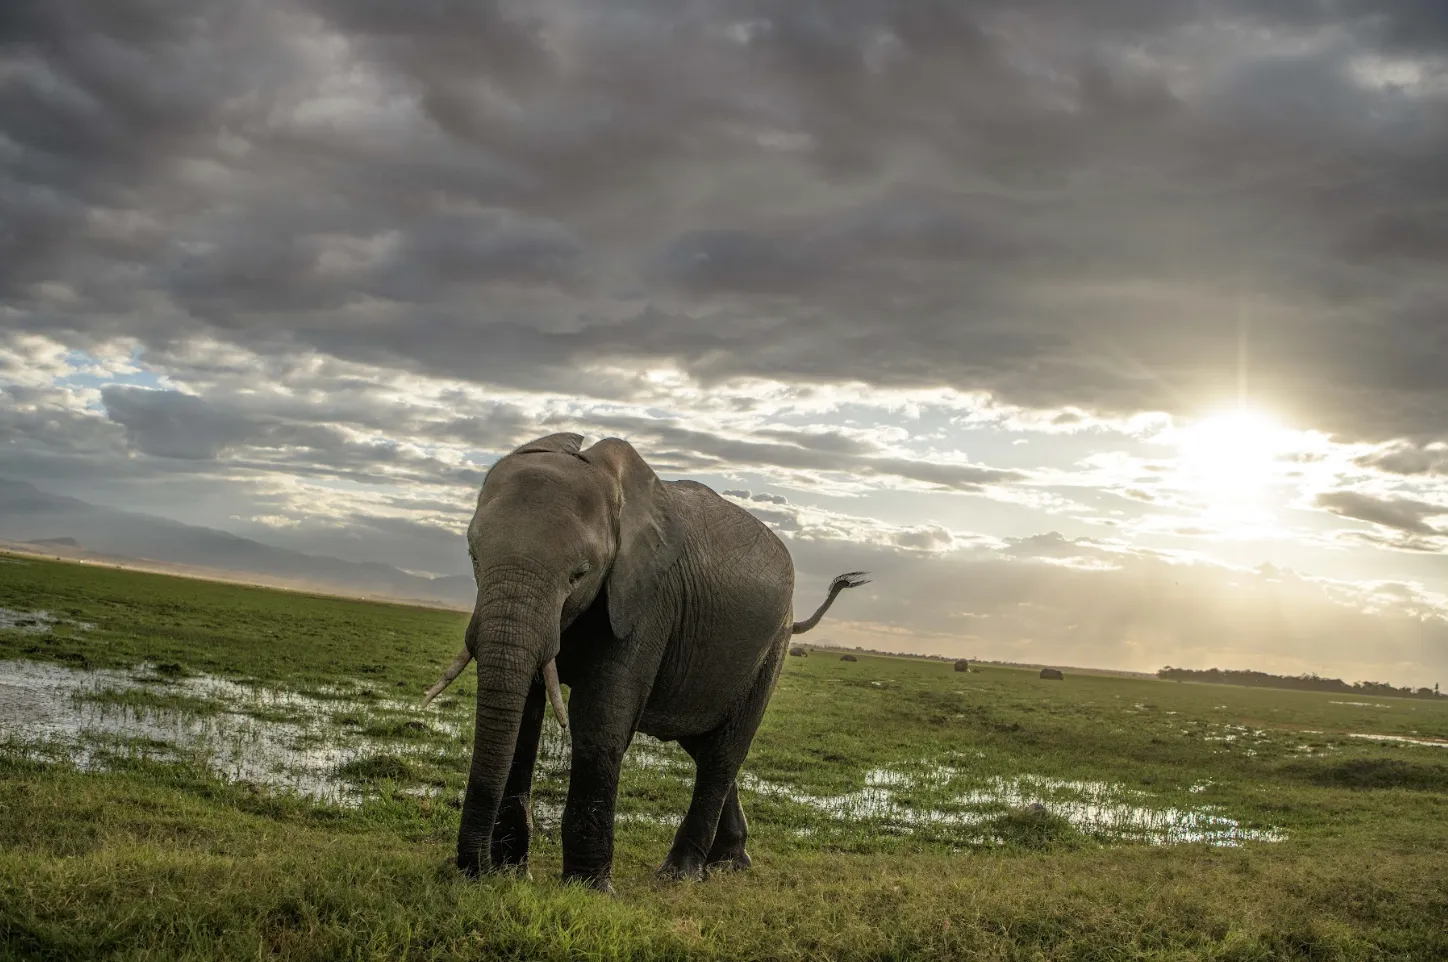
{"points": [[472, 864], [736, 861], [511, 835], [598, 881], [475, 867], [510, 861], [685, 868]]}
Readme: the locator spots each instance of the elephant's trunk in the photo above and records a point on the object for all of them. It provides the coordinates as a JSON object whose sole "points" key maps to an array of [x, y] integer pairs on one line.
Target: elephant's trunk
{"points": [[513, 633]]}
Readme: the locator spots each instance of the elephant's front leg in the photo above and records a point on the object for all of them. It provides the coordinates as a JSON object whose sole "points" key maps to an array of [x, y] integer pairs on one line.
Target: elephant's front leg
{"points": [[514, 826], [602, 721]]}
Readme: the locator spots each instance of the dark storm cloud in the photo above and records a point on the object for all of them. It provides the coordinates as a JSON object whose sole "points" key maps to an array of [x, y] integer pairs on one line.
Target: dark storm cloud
{"points": [[476, 249], [1105, 204]]}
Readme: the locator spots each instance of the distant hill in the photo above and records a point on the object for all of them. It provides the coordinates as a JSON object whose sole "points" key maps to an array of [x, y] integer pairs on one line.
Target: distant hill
{"points": [[55, 542], [37, 520]]}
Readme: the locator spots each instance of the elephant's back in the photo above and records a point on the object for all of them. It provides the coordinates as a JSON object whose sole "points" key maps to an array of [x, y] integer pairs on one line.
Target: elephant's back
{"points": [[735, 587], [723, 520]]}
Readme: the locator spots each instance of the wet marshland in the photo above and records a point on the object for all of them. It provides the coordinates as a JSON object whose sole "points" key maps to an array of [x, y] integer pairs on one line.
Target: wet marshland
{"points": [[345, 743]]}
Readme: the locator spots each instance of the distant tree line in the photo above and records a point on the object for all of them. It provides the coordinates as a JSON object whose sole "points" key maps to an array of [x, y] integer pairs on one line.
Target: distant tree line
{"points": [[827, 646], [1305, 682]]}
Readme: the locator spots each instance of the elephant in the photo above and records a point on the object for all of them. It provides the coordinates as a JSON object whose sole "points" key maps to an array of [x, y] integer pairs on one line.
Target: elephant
{"points": [[663, 607]]}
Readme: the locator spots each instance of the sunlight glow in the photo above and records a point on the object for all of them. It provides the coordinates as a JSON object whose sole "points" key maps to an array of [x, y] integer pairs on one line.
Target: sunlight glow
{"points": [[1232, 453]]}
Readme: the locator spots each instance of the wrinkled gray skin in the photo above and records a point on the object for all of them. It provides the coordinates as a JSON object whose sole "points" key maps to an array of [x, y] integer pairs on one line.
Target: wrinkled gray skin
{"points": [[666, 609]]}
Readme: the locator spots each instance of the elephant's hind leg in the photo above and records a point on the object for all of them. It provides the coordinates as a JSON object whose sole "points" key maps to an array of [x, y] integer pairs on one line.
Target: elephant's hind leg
{"points": [[728, 850], [713, 784], [714, 829]]}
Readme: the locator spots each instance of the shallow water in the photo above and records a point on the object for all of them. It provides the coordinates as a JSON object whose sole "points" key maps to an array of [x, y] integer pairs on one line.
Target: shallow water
{"points": [[38, 622], [1402, 740], [1100, 809], [293, 742], [71, 715]]}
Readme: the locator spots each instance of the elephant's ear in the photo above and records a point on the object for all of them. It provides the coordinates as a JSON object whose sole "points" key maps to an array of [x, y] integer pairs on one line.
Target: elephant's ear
{"points": [[553, 444], [649, 533]]}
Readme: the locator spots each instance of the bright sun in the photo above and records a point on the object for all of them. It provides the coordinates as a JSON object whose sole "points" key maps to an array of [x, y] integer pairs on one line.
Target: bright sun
{"points": [[1231, 454]]}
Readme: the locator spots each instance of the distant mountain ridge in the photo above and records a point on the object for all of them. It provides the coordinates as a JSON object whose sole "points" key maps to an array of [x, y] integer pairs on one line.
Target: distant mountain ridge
{"points": [[30, 516]]}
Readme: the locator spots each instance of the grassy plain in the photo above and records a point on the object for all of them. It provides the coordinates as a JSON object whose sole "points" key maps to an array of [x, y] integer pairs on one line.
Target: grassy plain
{"points": [[888, 800]]}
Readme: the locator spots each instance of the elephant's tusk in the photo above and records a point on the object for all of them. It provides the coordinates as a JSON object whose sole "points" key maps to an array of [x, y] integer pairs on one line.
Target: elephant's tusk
{"points": [[453, 670], [555, 694]]}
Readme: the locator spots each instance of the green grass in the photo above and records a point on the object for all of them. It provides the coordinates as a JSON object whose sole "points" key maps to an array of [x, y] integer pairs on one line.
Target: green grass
{"points": [[145, 858]]}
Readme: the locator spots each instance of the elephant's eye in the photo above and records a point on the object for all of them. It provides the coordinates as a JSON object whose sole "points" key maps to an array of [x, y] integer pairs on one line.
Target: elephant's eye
{"points": [[578, 573]]}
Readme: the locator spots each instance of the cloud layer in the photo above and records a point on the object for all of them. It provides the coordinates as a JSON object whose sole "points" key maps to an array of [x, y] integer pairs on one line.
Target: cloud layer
{"points": [[1102, 204], [926, 278]]}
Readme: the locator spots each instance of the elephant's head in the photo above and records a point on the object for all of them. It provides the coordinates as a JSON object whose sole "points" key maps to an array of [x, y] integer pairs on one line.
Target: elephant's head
{"points": [[556, 530]]}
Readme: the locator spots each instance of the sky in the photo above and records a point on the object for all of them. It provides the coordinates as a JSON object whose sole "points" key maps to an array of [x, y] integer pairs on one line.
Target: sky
{"points": [[1102, 332]]}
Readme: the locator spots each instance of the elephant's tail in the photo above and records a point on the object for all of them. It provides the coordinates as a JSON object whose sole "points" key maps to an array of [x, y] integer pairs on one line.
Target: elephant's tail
{"points": [[851, 579], [453, 670]]}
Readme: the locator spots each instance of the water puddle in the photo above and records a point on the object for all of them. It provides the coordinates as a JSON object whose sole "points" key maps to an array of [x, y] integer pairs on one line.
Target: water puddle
{"points": [[333, 744], [1402, 740], [967, 807], [245, 733], [39, 622], [1360, 704]]}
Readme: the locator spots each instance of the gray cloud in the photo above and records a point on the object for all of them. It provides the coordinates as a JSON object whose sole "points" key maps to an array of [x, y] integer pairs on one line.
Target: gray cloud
{"points": [[1106, 205], [1057, 202], [807, 451], [305, 417], [170, 424], [1399, 514], [1409, 459], [782, 521]]}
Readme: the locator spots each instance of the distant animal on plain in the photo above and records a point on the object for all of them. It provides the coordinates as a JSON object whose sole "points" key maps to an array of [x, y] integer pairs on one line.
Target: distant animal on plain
{"points": [[666, 610], [962, 665], [848, 658], [798, 653], [1052, 673]]}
